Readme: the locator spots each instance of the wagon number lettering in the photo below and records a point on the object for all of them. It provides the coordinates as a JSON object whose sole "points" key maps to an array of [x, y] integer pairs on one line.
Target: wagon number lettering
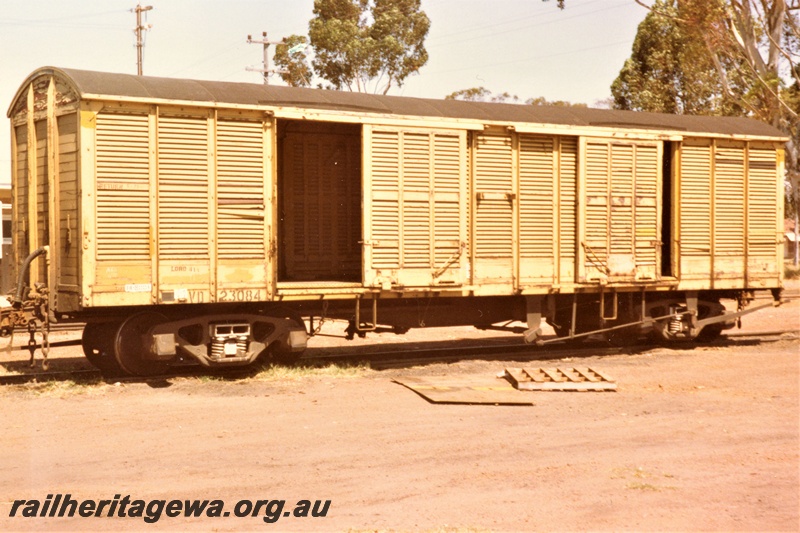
{"points": [[239, 295], [197, 297]]}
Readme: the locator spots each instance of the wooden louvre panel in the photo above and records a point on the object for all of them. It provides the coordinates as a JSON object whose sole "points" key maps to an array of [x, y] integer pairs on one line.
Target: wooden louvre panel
{"points": [[385, 217], [547, 208], [727, 211], [694, 220], [183, 187], [20, 194], [538, 177], [729, 195], [568, 195], [417, 219], [494, 186], [42, 190], [495, 199], [69, 239], [123, 200], [623, 182], [646, 227], [240, 189], [622, 213], [415, 201], [597, 214], [448, 181], [729, 214], [762, 214]]}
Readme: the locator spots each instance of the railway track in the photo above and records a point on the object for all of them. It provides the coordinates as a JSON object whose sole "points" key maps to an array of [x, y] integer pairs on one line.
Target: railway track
{"points": [[397, 358]]}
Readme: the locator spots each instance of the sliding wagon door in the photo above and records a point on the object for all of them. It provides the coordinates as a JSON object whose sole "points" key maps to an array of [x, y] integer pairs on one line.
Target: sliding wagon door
{"points": [[621, 233], [414, 207]]}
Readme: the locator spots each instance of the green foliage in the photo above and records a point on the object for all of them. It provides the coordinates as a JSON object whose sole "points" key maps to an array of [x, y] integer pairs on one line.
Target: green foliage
{"points": [[475, 94], [718, 57], [293, 67], [557, 103], [359, 45], [669, 70], [340, 44], [482, 94]]}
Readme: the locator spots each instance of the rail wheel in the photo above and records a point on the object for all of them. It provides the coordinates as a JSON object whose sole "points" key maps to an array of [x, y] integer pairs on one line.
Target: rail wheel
{"points": [[98, 347], [710, 333], [677, 328], [129, 348], [278, 352]]}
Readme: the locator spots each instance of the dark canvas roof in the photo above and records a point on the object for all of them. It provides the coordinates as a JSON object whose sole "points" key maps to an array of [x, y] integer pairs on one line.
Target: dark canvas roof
{"points": [[128, 86]]}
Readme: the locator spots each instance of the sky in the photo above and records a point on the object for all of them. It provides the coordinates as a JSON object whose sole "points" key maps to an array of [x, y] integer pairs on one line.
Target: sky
{"points": [[528, 48]]}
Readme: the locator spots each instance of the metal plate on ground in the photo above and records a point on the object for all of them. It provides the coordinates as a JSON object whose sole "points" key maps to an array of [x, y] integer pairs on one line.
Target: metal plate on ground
{"points": [[466, 390], [559, 379]]}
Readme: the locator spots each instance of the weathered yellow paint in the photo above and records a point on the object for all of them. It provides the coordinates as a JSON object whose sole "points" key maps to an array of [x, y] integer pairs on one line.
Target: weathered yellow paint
{"points": [[33, 186], [88, 119], [730, 241], [53, 196], [415, 210], [177, 202]]}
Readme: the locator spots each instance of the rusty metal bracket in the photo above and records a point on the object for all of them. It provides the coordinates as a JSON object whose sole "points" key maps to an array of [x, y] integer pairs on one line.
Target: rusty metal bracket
{"points": [[374, 322], [603, 306], [450, 261]]}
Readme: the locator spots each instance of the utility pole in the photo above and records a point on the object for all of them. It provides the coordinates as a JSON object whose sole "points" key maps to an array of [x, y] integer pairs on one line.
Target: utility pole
{"points": [[138, 31], [266, 42]]}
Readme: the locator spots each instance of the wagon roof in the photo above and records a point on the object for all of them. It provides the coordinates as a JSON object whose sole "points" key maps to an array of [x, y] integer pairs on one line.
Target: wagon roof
{"points": [[99, 85]]}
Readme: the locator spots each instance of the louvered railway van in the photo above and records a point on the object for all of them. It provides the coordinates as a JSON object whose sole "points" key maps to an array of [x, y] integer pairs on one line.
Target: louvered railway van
{"points": [[209, 220]]}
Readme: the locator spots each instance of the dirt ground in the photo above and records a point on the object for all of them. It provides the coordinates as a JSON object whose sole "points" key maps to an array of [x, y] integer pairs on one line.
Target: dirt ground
{"points": [[694, 439]]}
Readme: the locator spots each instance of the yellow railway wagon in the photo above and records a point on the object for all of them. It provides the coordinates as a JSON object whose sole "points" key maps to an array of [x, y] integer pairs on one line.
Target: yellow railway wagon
{"points": [[183, 218]]}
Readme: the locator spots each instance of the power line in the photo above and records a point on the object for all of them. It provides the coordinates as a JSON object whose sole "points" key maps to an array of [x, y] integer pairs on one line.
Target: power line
{"points": [[53, 21], [205, 59], [493, 35], [531, 58], [559, 16]]}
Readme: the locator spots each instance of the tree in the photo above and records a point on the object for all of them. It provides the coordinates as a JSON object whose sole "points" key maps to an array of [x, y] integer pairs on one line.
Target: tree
{"points": [[669, 70], [482, 94], [359, 45], [731, 57], [292, 60]]}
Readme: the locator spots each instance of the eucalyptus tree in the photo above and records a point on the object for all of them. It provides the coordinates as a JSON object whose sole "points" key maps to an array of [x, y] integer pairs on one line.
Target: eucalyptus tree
{"points": [[358, 45]]}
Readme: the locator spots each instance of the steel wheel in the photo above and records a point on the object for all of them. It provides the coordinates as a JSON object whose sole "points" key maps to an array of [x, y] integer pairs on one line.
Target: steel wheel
{"points": [[129, 348], [98, 347]]}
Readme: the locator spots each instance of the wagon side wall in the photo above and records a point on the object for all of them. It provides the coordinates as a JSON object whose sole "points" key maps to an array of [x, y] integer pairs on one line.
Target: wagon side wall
{"points": [[729, 214], [159, 202], [178, 206]]}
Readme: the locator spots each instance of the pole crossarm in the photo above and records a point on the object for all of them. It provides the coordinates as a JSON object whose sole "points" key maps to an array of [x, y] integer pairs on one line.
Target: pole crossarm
{"points": [[265, 71]]}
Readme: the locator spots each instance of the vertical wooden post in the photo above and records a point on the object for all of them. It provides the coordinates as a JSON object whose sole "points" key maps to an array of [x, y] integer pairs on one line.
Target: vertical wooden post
{"points": [[33, 185]]}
